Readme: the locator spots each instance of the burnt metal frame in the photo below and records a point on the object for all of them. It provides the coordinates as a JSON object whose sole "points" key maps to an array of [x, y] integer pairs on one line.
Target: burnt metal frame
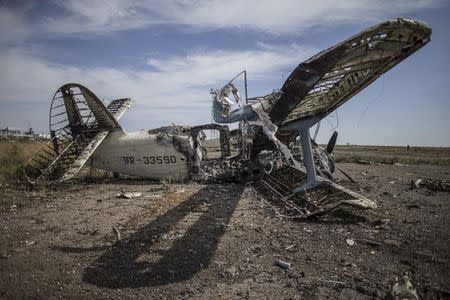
{"points": [[224, 132]]}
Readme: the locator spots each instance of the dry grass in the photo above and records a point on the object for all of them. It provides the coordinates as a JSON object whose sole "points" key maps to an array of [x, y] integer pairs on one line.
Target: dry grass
{"points": [[393, 154], [13, 155]]}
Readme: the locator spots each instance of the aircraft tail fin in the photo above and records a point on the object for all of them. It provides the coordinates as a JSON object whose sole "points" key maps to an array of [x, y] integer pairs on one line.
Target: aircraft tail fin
{"points": [[79, 122], [77, 108]]}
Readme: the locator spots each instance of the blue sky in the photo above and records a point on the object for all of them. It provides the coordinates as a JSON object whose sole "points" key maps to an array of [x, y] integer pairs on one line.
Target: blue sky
{"points": [[167, 55]]}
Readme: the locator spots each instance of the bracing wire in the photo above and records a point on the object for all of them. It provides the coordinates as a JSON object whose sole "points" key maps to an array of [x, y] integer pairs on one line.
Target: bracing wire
{"points": [[333, 127], [372, 101]]}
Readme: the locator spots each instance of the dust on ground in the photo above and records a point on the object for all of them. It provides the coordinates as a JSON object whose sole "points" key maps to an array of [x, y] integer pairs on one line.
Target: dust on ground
{"points": [[221, 241]]}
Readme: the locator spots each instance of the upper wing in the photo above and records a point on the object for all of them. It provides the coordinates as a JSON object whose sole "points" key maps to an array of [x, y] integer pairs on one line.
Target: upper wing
{"points": [[327, 80]]}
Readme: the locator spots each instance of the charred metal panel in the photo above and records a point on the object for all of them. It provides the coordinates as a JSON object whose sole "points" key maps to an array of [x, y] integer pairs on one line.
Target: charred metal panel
{"points": [[224, 136]]}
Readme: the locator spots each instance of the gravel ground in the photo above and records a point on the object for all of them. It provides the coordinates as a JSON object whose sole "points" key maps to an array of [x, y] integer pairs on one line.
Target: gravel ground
{"points": [[222, 242]]}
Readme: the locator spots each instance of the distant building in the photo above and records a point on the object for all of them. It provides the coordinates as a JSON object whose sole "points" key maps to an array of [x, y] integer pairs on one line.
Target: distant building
{"points": [[12, 133]]}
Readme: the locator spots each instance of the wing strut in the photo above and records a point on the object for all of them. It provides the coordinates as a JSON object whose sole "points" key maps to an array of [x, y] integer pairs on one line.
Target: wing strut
{"points": [[312, 180], [302, 127], [270, 129]]}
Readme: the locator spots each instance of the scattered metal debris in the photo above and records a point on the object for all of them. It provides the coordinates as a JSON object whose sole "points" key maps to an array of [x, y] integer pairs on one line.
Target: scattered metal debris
{"points": [[403, 289], [350, 242], [231, 271], [128, 195], [283, 264], [117, 233], [431, 184], [277, 188]]}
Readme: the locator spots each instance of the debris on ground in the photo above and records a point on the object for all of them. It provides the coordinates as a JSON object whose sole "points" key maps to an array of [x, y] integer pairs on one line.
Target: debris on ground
{"points": [[215, 242], [350, 242], [229, 272], [403, 289], [117, 233], [156, 196], [431, 184], [128, 195], [283, 264]]}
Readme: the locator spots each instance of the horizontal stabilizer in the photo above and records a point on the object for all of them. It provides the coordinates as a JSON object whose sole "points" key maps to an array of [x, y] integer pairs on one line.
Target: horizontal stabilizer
{"points": [[118, 107]]}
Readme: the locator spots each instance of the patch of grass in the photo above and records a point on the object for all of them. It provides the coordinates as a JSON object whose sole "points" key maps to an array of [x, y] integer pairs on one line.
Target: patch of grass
{"points": [[11, 164], [393, 154], [13, 155], [355, 158], [166, 184]]}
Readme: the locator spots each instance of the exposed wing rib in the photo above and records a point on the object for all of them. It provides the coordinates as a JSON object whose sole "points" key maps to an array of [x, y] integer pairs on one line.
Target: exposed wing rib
{"points": [[118, 107], [103, 117], [325, 81]]}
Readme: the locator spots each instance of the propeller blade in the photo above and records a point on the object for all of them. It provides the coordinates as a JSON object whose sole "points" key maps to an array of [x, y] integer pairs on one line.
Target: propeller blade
{"points": [[332, 142]]}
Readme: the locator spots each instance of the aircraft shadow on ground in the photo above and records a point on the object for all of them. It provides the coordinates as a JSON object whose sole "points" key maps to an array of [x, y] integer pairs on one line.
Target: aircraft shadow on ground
{"points": [[125, 264]]}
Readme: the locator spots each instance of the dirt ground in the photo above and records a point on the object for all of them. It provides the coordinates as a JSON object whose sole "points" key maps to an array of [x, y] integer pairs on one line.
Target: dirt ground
{"points": [[221, 241]]}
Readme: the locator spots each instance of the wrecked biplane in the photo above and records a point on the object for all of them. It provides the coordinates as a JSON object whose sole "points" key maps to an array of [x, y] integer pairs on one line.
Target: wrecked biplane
{"points": [[274, 151]]}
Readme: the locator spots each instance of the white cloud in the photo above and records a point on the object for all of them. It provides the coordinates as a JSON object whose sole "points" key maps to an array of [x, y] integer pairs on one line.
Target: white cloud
{"points": [[276, 17], [98, 16], [174, 88], [13, 28], [284, 16], [177, 83]]}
